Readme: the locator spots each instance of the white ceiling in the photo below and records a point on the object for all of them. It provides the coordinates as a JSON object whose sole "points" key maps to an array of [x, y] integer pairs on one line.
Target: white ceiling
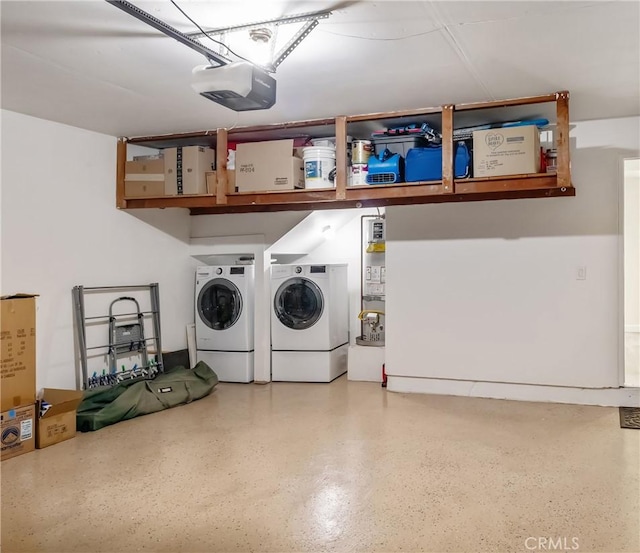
{"points": [[90, 65]]}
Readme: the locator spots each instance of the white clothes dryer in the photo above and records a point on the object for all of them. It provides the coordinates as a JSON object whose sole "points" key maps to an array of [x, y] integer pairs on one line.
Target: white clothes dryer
{"points": [[224, 318], [309, 322]]}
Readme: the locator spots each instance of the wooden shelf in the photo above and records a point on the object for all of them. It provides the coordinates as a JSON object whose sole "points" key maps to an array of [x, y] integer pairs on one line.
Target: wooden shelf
{"points": [[342, 196], [170, 201]]}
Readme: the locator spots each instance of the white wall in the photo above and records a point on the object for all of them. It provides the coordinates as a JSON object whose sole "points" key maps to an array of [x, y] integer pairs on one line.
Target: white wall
{"points": [[489, 291], [632, 245], [271, 225], [60, 228]]}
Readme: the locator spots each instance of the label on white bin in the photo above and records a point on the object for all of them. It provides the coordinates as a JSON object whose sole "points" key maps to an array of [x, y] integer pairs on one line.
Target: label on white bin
{"points": [[359, 174], [313, 170]]}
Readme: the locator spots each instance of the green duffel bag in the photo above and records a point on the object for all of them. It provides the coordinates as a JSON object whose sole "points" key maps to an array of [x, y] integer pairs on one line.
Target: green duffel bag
{"points": [[103, 406]]}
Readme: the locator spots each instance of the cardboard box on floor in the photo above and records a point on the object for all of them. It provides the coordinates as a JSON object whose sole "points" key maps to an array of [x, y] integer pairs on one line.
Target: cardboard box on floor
{"points": [[58, 423], [18, 360], [18, 431], [144, 178], [506, 151], [268, 165], [185, 169]]}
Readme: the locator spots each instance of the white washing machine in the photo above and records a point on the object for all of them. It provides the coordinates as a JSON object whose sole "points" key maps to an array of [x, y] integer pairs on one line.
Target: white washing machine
{"points": [[309, 322], [224, 320]]}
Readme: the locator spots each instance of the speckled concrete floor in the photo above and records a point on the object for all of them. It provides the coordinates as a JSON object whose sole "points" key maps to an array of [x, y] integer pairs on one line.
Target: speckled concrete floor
{"points": [[339, 467]]}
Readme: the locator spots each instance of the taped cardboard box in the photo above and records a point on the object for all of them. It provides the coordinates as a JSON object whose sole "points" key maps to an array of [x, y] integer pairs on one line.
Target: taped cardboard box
{"points": [[506, 151], [57, 422], [212, 182], [185, 169], [144, 178], [269, 165], [18, 431], [18, 360]]}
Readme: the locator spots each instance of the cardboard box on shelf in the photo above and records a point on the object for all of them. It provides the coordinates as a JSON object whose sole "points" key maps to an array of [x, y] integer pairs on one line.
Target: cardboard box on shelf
{"points": [[148, 157], [144, 178], [231, 181], [506, 151], [185, 169], [145, 167], [18, 431], [268, 165], [58, 422], [139, 189], [212, 182], [18, 361]]}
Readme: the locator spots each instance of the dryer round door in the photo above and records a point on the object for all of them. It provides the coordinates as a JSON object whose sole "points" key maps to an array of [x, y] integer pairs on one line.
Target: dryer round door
{"points": [[219, 304], [298, 303]]}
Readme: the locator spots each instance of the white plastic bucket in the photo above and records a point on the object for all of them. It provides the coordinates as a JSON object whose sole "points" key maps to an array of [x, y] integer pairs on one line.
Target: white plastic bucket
{"points": [[328, 142], [324, 142], [319, 167]]}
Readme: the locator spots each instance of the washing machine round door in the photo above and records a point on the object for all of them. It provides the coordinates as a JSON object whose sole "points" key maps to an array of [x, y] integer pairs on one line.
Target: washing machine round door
{"points": [[298, 303], [219, 304]]}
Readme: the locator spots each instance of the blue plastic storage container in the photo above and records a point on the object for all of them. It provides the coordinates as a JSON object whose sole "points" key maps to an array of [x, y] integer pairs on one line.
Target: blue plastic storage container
{"points": [[423, 164]]}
